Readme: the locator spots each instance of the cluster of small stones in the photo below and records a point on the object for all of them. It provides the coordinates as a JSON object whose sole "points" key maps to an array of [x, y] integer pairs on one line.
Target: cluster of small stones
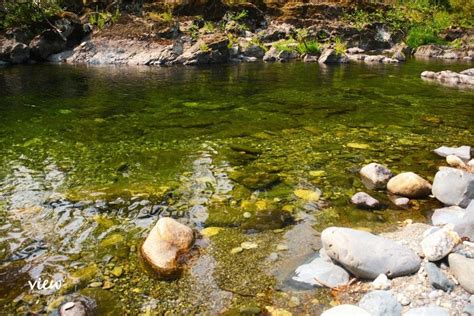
{"points": [[420, 269]]}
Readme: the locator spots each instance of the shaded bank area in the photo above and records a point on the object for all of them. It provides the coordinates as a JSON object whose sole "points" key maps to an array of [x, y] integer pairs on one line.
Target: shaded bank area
{"points": [[256, 158]]}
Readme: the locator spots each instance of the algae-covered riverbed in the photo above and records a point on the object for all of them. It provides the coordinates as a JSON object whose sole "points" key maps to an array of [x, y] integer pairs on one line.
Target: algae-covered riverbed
{"points": [[91, 157]]}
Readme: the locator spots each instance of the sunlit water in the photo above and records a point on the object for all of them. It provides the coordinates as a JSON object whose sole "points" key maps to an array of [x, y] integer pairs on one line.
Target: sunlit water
{"points": [[91, 157]]}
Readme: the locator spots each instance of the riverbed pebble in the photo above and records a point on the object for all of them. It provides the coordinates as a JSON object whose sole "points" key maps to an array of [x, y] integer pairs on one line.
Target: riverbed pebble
{"points": [[381, 282], [381, 303], [437, 278], [365, 201]]}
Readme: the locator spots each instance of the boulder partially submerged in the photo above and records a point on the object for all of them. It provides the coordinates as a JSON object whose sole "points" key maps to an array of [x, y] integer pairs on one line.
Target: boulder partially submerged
{"points": [[167, 241], [409, 184]]}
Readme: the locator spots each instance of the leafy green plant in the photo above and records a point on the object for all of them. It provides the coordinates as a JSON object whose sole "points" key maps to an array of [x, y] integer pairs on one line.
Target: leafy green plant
{"points": [[422, 35], [166, 16], [204, 48], [236, 16], [457, 43], [208, 27], [28, 12]]}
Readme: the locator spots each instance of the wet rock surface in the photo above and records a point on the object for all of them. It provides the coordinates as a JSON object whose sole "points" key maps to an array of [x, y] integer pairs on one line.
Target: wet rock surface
{"points": [[367, 255]]}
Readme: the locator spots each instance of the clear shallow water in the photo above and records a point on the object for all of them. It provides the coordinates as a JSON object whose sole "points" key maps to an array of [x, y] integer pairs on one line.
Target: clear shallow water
{"points": [[90, 157]]}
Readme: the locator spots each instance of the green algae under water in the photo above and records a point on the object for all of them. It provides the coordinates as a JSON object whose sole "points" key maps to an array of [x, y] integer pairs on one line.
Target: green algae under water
{"points": [[89, 156]]}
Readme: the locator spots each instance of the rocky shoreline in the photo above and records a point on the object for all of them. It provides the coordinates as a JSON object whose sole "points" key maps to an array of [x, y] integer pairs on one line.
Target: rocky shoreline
{"points": [[271, 36]]}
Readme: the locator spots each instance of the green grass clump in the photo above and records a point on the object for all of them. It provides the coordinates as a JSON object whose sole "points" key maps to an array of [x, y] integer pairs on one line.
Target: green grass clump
{"points": [[288, 45], [339, 46], [309, 47]]}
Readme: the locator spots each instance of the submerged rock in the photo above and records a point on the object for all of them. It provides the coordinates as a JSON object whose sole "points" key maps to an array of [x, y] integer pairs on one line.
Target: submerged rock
{"points": [[320, 272], [365, 201], [375, 176], [449, 77], [463, 152], [346, 310], [367, 255], [437, 278], [410, 185], [438, 244], [453, 186], [381, 303], [166, 242], [463, 270], [399, 201]]}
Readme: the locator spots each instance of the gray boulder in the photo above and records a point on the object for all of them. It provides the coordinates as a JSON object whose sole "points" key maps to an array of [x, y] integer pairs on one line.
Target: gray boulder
{"points": [[211, 49], [468, 310], [253, 50], [453, 186], [14, 52], [274, 54], [47, 43], [330, 56], [463, 270], [463, 152], [466, 227], [437, 278], [381, 303], [375, 176], [431, 310], [364, 201], [367, 255], [320, 272], [448, 215]]}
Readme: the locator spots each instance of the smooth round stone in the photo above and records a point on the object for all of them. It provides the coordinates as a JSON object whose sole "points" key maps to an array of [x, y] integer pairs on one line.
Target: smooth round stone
{"points": [[410, 185], [346, 310], [367, 255]]}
